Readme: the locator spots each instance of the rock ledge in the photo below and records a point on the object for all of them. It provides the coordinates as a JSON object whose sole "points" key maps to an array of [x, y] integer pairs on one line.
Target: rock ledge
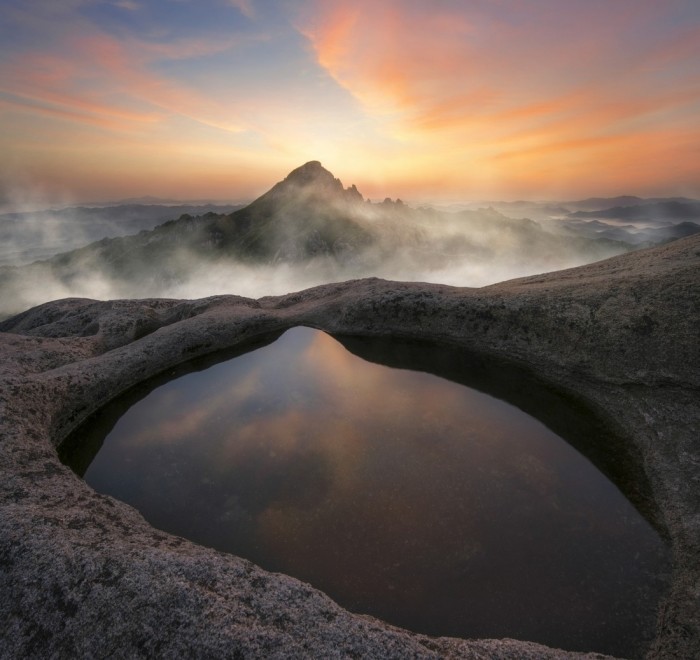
{"points": [[84, 575]]}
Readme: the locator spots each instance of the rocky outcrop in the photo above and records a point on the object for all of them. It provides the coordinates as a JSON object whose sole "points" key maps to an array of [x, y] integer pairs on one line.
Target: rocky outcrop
{"points": [[84, 575]]}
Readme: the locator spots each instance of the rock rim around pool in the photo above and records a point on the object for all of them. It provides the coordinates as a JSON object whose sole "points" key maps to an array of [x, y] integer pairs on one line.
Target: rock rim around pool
{"points": [[84, 575]]}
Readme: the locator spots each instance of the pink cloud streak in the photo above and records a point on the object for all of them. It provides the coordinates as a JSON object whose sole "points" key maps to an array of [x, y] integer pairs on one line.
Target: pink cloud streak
{"points": [[446, 75]]}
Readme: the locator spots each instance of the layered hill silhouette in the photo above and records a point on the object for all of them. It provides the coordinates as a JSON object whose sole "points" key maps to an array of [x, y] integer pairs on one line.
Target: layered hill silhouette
{"points": [[307, 229]]}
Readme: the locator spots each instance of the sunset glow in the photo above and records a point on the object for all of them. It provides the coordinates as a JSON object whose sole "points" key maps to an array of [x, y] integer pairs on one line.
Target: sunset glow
{"points": [[443, 100]]}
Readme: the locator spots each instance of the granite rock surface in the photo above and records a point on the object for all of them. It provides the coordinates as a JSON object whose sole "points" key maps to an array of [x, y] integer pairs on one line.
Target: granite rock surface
{"points": [[83, 575]]}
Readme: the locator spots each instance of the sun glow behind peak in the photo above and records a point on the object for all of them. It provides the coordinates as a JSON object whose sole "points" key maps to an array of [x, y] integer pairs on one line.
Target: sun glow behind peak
{"points": [[446, 99]]}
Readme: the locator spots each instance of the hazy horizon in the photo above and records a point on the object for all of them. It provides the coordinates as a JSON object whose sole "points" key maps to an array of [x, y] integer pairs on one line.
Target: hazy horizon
{"points": [[27, 204]]}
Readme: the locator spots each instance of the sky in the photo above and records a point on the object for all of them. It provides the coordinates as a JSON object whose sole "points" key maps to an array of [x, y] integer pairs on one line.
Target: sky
{"points": [[423, 100]]}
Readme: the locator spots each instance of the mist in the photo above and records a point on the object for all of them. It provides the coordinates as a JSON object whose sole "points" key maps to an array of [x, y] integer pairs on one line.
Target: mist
{"points": [[309, 230], [466, 249], [28, 233]]}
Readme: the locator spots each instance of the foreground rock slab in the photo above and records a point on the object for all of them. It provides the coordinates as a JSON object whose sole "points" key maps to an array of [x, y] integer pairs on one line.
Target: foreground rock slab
{"points": [[84, 575]]}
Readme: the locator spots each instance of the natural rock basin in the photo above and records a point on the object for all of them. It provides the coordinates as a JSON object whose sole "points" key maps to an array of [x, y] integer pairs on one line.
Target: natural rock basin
{"points": [[429, 504]]}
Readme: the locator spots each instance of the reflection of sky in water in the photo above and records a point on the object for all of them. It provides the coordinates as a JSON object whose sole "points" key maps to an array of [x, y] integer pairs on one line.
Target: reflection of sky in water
{"points": [[401, 494]]}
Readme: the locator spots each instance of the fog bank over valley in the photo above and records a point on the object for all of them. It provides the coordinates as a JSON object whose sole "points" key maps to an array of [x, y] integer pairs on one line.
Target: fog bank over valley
{"points": [[308, 230]]}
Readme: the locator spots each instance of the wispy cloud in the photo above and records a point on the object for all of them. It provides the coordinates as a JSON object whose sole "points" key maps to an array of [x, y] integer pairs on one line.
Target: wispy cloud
{"points": [[100, 79], [129, 5], [495, 78], [244, 6]]}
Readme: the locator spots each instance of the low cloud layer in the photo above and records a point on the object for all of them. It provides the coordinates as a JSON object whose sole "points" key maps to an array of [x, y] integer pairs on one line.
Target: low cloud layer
{"points": [[468, 249]]}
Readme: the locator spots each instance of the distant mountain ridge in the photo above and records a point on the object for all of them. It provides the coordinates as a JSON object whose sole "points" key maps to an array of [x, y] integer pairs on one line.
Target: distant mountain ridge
{"points": [[32, 235], [601, 203], [672, 210]]}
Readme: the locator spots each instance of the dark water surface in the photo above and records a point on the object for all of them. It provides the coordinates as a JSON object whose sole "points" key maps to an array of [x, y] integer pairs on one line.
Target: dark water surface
{"points": [[401, 494]]}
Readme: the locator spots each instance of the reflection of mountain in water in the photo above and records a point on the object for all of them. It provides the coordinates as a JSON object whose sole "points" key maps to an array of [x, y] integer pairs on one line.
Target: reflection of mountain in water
{"points": [[313, 230]]}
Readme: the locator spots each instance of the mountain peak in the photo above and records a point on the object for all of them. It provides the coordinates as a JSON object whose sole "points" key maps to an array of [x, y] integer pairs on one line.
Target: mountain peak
{"points": [[311, 181], [311, 173]]}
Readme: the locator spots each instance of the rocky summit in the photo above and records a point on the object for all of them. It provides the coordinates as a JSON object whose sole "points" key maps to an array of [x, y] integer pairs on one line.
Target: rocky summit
{"points": [[85, 576], [314, 175]]}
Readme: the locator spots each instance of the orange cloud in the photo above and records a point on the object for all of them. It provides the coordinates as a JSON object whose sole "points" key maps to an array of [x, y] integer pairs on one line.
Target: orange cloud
{"points": [[486, 95], [365, 48]]}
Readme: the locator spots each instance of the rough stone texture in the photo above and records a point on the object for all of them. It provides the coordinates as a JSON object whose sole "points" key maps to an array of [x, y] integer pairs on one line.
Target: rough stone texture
{"points": [[83, 575]]}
